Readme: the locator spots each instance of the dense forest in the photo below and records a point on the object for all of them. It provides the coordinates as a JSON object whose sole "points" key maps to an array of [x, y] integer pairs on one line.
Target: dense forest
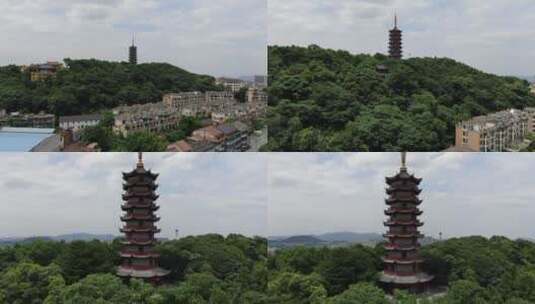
{"points": [[475, 269], [327, 100], [87, 86], [205, 269]]}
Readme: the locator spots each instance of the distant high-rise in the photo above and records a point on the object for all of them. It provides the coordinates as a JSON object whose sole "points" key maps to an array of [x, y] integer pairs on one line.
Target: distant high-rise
{"points": [[139, 259], [402, 263], [395, 46], [132, 53]]}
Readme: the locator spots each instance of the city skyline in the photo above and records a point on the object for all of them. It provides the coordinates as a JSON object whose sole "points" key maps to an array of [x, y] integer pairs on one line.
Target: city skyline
{"points": [[311, 194], [483, 34], [199, 193], [222, 38]]}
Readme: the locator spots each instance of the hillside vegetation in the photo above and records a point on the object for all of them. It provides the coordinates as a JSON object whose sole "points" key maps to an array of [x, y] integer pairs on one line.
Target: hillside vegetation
{"points": [[87, 86], [476, 270], [327, 100]]}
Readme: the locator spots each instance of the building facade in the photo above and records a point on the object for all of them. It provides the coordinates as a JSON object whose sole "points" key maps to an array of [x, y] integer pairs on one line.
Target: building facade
{"points": [[150, 117], [231, 84], [138, 258], [18, 120], [403, 263], [39, 72], [497, 132]]}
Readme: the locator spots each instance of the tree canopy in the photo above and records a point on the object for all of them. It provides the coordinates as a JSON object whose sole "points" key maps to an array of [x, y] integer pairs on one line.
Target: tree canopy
{"points": [[327, 100]]}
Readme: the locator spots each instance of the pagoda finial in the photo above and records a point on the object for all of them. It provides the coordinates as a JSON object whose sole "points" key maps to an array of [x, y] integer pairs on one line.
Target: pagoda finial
{"points": [[403, 161], [140, 159], [133, 39], [396, 20]]}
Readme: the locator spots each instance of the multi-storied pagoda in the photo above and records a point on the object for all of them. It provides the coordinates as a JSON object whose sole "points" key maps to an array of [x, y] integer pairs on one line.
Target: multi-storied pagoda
{"points": [[139, 260], [402, 263], [395, 46], [132, 52]]}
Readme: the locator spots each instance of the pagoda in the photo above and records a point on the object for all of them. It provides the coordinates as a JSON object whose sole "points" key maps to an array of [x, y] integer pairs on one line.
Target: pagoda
{"points": [[395, 46], [402, 263], [132, 52], [138, 258]]}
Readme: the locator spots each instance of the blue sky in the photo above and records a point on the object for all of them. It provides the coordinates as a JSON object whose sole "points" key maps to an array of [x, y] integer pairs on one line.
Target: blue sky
{"points": [[51, 194], [223, 37], [493, 35], [464, 194]]}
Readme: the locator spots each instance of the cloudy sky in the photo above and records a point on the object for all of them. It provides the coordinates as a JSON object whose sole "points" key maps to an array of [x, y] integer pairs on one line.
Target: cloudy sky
{"points": [[464, 194], [51, 194], [493, 35], [223, 37]]}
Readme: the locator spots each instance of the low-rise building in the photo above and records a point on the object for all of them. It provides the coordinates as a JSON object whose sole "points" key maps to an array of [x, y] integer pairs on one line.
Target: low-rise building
{"points": [[78, 122], [151, 117], [3, 113], [214, 138], [41, 120], [533, 88], [42, 71], [231, 84], [497, 132]]}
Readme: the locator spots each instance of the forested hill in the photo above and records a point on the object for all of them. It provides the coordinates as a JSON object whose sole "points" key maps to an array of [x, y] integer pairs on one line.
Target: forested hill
{"points": [[87, 86], [328, 100]]}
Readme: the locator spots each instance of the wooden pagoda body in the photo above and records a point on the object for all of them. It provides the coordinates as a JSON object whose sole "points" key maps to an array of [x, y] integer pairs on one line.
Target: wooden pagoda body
{"points": [[402, 263], [395, 45], [138, 258]]}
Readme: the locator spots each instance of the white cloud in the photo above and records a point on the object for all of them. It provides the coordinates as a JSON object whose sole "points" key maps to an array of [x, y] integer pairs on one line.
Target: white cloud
{"points": [[464, 194], [50, 194]]}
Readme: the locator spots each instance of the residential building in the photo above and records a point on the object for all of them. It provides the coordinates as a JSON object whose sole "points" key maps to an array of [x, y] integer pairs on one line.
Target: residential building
{"points": [[497, 132], [39, 72], [151, 117], [19, 120], [79, 121], [231, 84], [533, 88], [215, 138]]}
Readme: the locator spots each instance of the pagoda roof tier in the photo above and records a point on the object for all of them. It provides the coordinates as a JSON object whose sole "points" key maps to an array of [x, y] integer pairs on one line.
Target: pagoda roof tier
{"points": [[139, 255], [414, 211], [411, 188], [403, 261], [392, 247], [152, 229], [148, 194], [139, 171], [392, 200], [137, 217], [146, 274], [129, 206], [403, 223], [151, 185], [403, 176], [416, 278], [139, 243], [416, 235]]}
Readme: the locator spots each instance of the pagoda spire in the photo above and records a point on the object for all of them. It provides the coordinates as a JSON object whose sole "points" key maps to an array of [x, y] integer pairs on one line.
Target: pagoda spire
{"points": [[140, 159], [404, 161], [396, 20]]}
